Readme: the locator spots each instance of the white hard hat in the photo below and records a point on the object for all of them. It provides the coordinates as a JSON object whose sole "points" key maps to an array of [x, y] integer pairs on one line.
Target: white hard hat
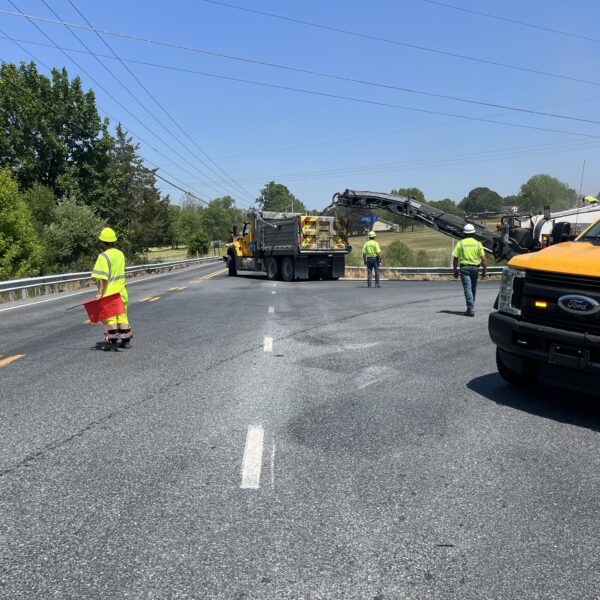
{"points": [[469, 228]]}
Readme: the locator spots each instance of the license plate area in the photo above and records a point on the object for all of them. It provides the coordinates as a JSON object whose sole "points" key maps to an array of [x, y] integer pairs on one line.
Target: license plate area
{"points": [[566, 356]]}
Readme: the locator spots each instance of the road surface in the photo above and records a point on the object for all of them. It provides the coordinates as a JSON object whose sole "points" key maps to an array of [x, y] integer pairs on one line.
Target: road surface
{"points": [[309, 440]]}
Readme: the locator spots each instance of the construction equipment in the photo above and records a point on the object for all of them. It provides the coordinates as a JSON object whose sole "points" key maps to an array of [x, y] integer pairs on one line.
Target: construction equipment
{"points": [[290, 246], [516, 234]]}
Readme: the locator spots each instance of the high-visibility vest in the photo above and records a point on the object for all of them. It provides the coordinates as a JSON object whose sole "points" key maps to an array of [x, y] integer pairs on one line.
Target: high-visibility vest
{"points": [[469, 251], [110, 266], [371, 249]]}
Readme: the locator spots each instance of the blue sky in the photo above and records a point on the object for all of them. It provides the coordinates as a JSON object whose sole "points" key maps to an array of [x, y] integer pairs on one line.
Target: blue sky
{"points": [[318, 145]]}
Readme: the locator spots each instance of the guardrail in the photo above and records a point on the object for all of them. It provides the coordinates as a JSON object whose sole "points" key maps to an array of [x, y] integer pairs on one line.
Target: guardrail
{"points": [[420, 270], [61, 283]]}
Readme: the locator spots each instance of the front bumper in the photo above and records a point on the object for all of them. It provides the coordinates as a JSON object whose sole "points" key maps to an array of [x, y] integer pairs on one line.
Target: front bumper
{"points": [[570, 358]]}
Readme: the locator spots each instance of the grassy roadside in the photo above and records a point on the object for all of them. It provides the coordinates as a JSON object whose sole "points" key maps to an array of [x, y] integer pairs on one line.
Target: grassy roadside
{"points": [[158, 254]]}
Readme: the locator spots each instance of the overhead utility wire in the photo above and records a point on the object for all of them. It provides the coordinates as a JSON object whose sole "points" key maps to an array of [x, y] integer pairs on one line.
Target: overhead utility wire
{"points": [[224, 175], [316, 25], [394, 42], [515, 21], [100, 86], [215, 185], [365, 101], [52, 109], [144, 107]]}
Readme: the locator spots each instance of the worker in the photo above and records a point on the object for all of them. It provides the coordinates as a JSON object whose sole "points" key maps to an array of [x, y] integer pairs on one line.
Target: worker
{"points": [[372, 258], [468, 254], [591, 199], [109, 273]]}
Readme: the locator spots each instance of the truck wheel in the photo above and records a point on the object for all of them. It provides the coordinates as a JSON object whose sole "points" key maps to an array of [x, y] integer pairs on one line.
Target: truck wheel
{"points": [[232, 266], [288, 269], [272, 268], [524, 380]]}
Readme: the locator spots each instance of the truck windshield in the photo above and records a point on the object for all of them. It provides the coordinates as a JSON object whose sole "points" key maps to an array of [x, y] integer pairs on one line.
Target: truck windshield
{"points": [[592, 234]]}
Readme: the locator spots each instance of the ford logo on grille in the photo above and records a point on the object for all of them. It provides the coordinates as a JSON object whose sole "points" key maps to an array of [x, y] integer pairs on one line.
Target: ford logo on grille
{"points": [[579, 305]]}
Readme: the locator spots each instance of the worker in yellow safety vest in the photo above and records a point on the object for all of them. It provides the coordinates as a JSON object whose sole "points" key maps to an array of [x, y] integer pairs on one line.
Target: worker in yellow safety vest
{"points": [[590, 200], [109, 274], [372, 258], [468, 255]]}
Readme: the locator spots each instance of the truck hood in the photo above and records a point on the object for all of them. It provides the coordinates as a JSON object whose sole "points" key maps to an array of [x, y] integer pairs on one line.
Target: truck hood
{"points": [[573, 258]]}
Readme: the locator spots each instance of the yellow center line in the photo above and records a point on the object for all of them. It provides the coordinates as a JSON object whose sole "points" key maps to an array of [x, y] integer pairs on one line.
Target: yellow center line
{"points": [[176, 289], [145, 299], [154, 299], [213, 275], [9, 359]]}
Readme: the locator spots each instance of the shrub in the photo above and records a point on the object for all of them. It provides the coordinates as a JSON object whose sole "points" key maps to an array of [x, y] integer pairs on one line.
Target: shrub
{"points": [[198, 244]]}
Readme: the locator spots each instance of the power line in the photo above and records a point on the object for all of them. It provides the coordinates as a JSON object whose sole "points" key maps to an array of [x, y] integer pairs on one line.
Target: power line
{"points": [[164, 110], [91, 133], [310, 24], [100, 86], [364, 101], [135, 98], [514, 21]]}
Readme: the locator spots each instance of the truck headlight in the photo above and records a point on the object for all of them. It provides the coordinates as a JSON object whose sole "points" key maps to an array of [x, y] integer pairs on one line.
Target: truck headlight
{"points": [[509, 299]]}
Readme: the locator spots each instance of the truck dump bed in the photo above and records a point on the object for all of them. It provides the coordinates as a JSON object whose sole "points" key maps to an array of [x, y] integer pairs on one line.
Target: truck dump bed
{"points": [[293, 233]]}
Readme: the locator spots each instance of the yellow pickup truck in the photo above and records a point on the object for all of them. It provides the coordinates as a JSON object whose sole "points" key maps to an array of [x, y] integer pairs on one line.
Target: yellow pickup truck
{"points": [[547, 323]]}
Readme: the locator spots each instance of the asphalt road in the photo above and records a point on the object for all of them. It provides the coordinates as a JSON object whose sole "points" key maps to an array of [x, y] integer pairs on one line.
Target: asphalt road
{"points": [[310, 440]]}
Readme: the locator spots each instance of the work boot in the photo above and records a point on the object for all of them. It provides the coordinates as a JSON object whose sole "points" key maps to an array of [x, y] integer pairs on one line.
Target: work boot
{"points": [[126, 344], [108, 346], [470, 313]]}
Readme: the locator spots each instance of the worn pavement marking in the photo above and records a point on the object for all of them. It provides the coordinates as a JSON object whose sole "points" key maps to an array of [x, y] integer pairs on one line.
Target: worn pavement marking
{"points": [[273, 292], [271, 309], [145, 299], [154, 299], [252, 461], [9, 359], [268, 344], [176, 289]]}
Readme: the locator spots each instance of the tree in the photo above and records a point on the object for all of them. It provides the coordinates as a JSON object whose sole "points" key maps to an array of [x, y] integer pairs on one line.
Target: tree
{"points": [[198, 244], [71, 240], [20, 250], [543, 190], [481, 200], [405, 222], [219, 216], [447, 205], [276, 197], [41, 203]]}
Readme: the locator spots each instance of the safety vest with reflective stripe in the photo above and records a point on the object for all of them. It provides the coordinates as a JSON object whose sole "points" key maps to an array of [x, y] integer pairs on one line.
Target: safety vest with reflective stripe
{"points": [[110, 266], [371, 249], [469, 251]]}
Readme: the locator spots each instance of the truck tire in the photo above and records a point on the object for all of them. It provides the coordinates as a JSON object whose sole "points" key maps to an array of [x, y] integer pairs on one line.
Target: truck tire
{"points": [[288, 270], [272, 268], [523, 380], [231, 263]]}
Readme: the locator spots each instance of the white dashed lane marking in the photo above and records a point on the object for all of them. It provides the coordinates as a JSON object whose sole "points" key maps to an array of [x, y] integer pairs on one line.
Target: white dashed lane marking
{"points": [[252, 460], [268, 344], [271, 310]]}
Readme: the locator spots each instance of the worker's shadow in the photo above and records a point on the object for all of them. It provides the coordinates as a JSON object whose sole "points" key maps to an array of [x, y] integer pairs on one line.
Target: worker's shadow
{"points": [[460, 313], [548, 402]]}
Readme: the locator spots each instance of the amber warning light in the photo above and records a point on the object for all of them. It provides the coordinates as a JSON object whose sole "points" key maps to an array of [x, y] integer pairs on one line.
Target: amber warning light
{"points": [[541, 304]]}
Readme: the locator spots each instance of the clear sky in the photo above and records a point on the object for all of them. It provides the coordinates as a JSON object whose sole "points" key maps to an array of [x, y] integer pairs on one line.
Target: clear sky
{"points": [[319, 144]]}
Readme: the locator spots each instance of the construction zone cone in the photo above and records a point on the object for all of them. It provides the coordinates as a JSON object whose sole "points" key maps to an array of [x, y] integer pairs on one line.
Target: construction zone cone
{"points": [[104, 308]]}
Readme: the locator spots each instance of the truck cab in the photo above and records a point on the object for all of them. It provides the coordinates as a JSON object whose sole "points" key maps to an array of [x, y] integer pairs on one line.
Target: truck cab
{"points": [[547, 323]]}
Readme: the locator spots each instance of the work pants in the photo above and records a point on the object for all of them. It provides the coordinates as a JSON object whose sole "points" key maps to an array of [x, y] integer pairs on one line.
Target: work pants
{"points": [[372, 265], [468, 278], [118, 328]]}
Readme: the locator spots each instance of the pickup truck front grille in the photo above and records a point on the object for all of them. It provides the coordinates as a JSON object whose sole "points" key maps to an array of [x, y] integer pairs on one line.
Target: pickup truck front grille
{"points": [[549, 287]]}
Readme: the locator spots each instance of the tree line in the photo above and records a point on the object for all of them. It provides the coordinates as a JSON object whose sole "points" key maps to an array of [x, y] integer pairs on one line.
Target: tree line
{"points": [[64, 175]]}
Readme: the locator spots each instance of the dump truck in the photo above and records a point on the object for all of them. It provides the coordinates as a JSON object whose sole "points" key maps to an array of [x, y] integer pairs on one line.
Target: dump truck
{"points": [[547, 323], [289, 246]]}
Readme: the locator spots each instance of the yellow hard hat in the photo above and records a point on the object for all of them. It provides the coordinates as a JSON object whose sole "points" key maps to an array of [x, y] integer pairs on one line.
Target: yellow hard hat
{"points": [[591, 199], [372, 234], [108, 235]]}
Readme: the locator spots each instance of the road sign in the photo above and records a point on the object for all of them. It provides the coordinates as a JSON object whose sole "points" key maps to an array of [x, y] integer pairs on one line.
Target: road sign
{"points": [[368, 218]]}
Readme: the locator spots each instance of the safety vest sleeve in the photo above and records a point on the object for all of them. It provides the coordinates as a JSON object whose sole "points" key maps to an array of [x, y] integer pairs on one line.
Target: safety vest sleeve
{"points": [[101, 268]]}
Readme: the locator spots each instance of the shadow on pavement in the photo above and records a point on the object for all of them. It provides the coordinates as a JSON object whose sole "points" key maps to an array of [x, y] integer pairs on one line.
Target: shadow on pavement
{"points": [[560, 405], [460, 313]]}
